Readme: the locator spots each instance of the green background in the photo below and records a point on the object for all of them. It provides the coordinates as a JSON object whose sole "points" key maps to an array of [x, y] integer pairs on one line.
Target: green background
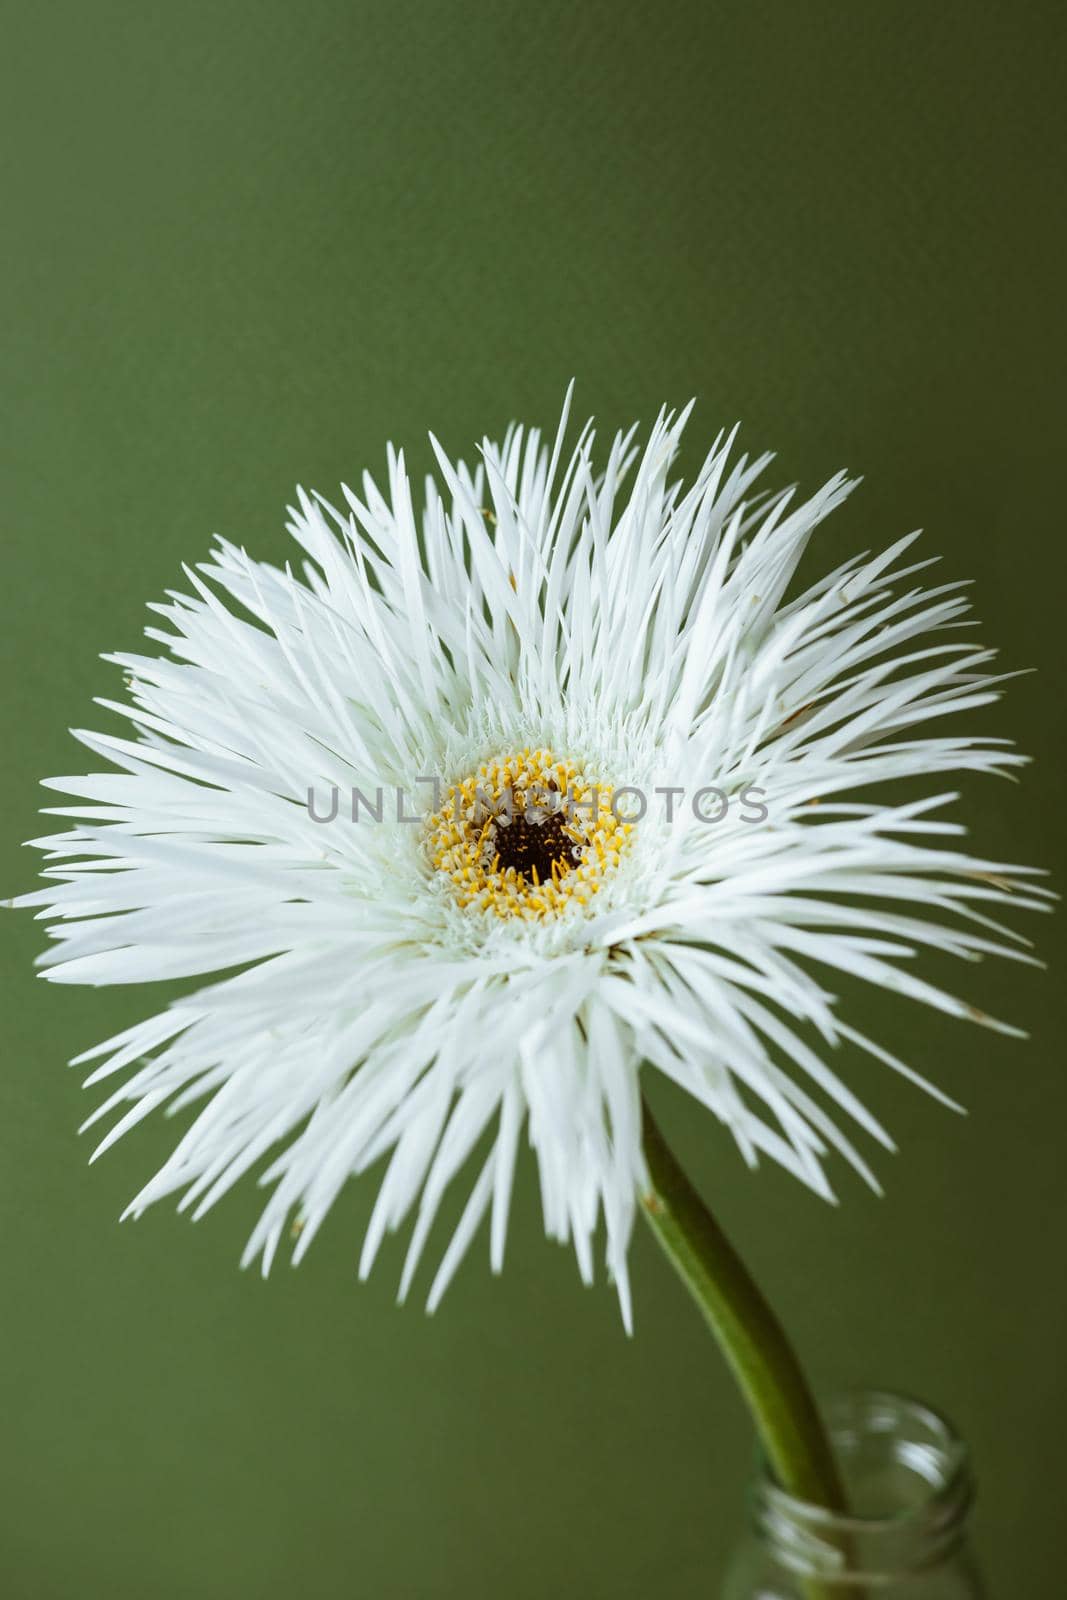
{"points": [[245, 246]]}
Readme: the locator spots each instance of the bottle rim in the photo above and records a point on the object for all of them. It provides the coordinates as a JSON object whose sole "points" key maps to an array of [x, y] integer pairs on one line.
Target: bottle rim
{"points": [[810, 1538]]}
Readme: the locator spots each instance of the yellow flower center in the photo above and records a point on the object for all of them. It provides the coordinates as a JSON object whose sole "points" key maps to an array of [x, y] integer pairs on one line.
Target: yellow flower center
{"points": [[527, 835]]}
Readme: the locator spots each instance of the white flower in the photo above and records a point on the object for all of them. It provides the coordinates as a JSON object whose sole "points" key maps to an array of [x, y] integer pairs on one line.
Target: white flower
{"points": [[422, 991]]}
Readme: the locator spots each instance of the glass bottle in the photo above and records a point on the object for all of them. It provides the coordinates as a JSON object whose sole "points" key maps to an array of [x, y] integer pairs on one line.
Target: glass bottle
{"points": [[909, 1490]]}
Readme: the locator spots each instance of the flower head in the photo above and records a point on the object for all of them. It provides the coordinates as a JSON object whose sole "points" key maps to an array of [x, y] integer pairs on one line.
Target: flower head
{"points": [[643, 851]]}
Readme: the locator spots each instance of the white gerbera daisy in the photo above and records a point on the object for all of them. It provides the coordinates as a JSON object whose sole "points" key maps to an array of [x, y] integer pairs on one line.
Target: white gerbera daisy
{"points": [[612, 725]]}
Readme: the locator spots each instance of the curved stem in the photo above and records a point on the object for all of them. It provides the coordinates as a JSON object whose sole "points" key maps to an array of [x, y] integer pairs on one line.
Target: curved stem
{"points": [[747, 1330]]}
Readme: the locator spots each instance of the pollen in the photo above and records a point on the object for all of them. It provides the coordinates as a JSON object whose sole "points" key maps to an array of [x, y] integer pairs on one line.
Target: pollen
{"points": [[527, 835]]}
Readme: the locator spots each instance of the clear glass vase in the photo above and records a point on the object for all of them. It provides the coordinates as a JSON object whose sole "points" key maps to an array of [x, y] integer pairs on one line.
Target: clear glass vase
{"points": [[909, 1490]]}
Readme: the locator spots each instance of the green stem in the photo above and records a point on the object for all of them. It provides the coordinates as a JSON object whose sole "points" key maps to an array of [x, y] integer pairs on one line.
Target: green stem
{"points": [[747, 1330]]}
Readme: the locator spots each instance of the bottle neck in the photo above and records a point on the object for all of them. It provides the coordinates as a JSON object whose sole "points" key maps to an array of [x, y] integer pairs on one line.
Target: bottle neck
{"points": [[909, 1490]]}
